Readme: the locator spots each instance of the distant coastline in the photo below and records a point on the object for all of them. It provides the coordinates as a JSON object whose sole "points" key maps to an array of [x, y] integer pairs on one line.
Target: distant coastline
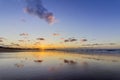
{"points": [[11, 49], [75, 50]]}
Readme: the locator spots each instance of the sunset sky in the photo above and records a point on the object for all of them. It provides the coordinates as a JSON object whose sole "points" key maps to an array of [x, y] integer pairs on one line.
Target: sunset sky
{"points": [[86, 22]]}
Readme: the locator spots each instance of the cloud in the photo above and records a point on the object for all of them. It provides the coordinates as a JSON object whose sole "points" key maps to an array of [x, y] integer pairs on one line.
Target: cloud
{"points": [[111, 43], [40, 39], [14, 44], [28, 40], [95, 44], [70, 40], [24, 34], [83, 40], [56, 34], [35, 7], [100, 44], [1, 40], [66, 40], [1, 44], [62, 38], [21, 40], [37, 43]]}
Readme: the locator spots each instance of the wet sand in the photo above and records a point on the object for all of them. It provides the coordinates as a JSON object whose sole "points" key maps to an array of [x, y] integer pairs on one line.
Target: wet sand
{"points": [[55, 65]]}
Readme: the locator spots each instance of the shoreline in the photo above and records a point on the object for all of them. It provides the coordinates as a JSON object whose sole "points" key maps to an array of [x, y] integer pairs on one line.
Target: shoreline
{"points": [[76, 50]]}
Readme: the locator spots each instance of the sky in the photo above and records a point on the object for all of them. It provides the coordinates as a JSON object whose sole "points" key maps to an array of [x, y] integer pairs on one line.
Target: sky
{"points": [[89, 23]]}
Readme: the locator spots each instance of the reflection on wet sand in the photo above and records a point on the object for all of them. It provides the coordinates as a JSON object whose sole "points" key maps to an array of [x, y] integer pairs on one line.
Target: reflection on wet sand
{"points": [[85, 64], [69, 61], [102, 58], [19, 65], [56, 65]]}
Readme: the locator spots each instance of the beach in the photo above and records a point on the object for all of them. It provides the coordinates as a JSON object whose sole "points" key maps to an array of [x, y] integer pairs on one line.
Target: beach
{"points": [[58, 65]]}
